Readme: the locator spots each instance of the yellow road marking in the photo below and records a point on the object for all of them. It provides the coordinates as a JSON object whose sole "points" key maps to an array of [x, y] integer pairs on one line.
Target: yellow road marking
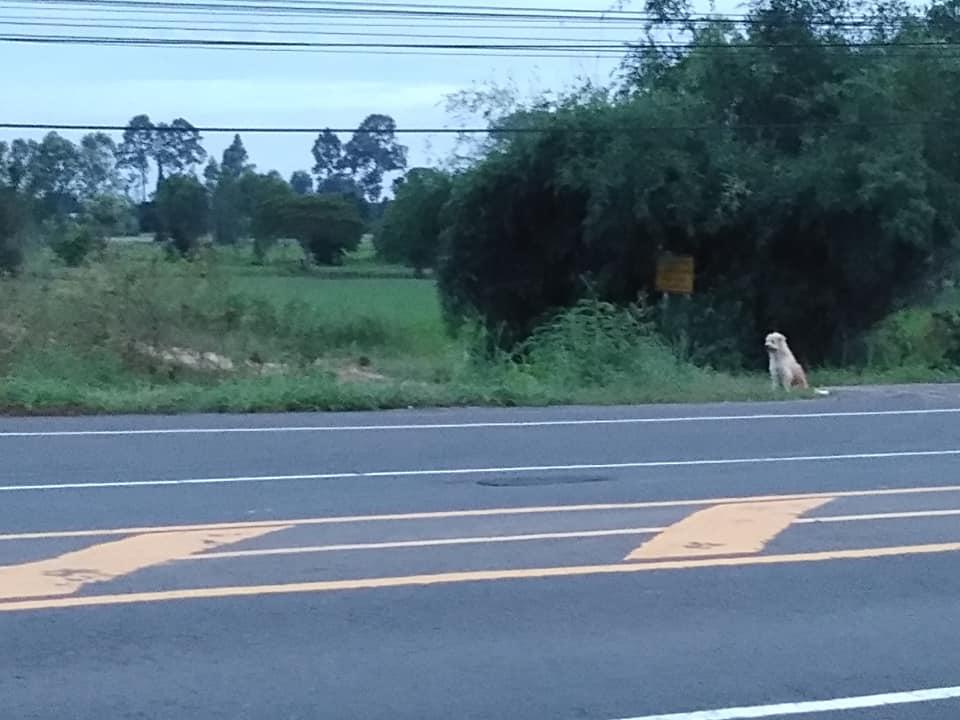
{"points": [[307, 549], [734, 529], [473, 576], [485, 512], [67, 573], [426, 543]]}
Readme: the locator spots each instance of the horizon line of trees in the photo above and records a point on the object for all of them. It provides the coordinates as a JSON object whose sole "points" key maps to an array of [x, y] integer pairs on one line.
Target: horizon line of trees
{"points": [[55, 183]]}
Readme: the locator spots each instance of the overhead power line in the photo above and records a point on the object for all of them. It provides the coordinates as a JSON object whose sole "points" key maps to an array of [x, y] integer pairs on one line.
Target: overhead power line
{"points": [[312, 33], [419, 10], [309, 27], [231, 23], [521, 130], [300, 44], [401, 33], [579, 46]]}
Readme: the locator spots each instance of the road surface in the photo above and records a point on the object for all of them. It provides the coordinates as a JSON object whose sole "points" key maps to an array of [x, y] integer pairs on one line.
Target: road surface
{"points": [[682, 562]]}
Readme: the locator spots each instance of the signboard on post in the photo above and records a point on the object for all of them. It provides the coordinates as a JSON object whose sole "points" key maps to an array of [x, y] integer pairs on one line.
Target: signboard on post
{"points": [[675, 274]]}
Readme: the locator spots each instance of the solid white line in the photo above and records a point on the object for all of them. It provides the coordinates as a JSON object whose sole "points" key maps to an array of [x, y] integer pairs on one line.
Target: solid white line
{"points": [[482, 471], [484, 513], [817, 706], [877, 516], [475, 425], [438, 542]]}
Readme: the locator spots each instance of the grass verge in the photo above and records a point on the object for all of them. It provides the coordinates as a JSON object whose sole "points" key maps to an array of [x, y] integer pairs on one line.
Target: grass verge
{"points": [[135, 332]]}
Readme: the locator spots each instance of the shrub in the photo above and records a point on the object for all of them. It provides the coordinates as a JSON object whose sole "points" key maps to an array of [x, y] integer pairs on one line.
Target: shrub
{"points": [[12, 220], [112, 215], [410, 229], [595, 343], [73, 243], [326, 226], [148, 219], [947, 329], [183, 208]]}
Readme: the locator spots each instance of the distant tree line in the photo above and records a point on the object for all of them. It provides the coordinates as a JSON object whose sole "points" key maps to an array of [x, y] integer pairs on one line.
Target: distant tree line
{"points": [[99, 188]]}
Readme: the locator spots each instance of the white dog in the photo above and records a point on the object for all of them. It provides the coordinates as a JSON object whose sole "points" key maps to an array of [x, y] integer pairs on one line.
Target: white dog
{"points": [[784, 368]]}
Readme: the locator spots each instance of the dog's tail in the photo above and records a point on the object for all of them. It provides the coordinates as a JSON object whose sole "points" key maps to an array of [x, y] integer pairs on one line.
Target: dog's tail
{"points": [[800, 378]]}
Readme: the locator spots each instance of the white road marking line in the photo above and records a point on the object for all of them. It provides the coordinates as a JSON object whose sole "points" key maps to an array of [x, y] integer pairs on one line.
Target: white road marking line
{"points": [[877, 516], [481, 540], [476, 425], [816, 706], [491, 512], [486, 539], [522, 469]]}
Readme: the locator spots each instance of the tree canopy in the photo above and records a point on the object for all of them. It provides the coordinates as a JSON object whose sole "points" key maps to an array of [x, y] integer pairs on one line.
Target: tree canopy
{"points": [[174, 148], [184, 211], [799, 159], [326, 226], [412, 222], [357, 168]]}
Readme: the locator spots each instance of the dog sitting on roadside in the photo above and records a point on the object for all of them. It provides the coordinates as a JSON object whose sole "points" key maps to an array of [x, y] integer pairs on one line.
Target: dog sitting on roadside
{"points": [[784, 368]]}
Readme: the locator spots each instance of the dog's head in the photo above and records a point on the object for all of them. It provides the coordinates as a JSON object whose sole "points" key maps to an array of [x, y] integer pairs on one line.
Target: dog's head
{"points": [[775, 342]]}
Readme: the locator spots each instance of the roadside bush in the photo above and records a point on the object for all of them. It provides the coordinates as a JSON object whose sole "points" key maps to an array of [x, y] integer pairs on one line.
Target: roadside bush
{"points": [[183, 208], [326, 226], [73, 243], [409, 231], [148, 219], [112, 215], [12, 219], [946, 325], [594, 352], [597, 343]]}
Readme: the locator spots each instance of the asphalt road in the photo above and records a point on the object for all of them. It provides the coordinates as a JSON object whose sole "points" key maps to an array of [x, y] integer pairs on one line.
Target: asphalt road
{"points": [[690, 562]]}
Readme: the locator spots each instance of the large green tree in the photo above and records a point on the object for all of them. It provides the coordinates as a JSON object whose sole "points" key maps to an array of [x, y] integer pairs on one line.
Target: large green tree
{"points": [[178, 148], [12, 221], [301, 182], [98, 165], [136, 150], [231, 208], [412, 222], [174, 148], [183, 210], [55, 175], [327, 155], [235, 159], [793, 155], [372, 152], [355, 170], [326, 226]]}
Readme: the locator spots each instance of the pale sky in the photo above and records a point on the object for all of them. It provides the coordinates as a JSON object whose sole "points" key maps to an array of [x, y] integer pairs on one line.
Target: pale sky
{"points": [[108, 85]]}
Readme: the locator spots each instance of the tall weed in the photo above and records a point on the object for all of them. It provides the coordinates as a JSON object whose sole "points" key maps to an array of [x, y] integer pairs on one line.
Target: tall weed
{"points": [[596, 343]]}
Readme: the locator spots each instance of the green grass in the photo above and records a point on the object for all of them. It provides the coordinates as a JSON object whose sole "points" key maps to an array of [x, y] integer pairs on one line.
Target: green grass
{"points": [[906, 375], [302, 338], [408, 310], [100, 387]]}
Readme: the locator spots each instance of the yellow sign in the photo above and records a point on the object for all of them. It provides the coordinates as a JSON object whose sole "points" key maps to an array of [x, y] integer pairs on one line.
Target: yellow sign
{"points": [[675, 274]]}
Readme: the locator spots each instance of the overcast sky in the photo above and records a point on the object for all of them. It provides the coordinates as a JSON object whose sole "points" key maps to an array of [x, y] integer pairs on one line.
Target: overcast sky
{"points": [[108, 85]]}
